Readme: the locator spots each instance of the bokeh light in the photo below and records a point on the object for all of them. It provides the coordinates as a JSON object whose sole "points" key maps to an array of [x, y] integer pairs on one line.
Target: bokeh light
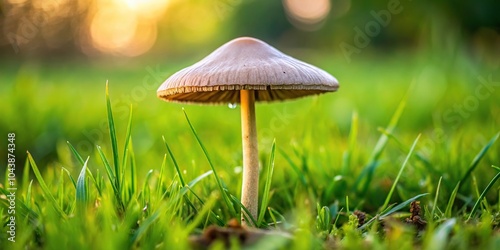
{"points": [[150, 9], [307, 15], [125, 27]]}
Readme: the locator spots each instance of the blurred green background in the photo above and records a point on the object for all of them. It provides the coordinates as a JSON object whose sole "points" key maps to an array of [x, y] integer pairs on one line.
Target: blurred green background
{"points": [[56, 56]]}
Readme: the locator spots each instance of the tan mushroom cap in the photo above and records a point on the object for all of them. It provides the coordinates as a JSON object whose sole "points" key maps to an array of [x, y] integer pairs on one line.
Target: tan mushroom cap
{"points": [[246, 63]]}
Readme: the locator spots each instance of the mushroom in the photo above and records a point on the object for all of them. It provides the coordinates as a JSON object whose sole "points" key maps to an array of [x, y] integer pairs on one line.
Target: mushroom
{"points": [[246, 70]]}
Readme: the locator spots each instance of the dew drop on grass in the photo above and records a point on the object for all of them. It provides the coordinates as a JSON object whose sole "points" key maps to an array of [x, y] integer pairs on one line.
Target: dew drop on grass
{"points": [[232, 105]]}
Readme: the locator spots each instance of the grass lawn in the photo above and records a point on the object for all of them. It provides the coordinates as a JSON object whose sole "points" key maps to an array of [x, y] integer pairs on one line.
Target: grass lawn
{"points": [[405, 155]]}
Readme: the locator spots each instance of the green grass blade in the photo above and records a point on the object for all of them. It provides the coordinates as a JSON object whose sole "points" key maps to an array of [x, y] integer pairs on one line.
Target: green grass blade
{"points": [[107, 166], [347, 205], [478, 158], [128, 136], [324, 218], [29, 195], [366, 175], [44, 187], [400, 173], [114, 143], [70, 177], [123, 167], [81, 161], [267, 186], [488, 187], [145, 192], [195, 181], [273, 217], [205, 211], [82, 194], [213, 217], [225, 197], [295, 168], [133, 169], [246, 212], [159, 184], [451, 201], [436, 197], [353, 135], [440, 237], [175, 162], [60, 189], [26, 175], [145, 225], [111, 177], [75, 153]]}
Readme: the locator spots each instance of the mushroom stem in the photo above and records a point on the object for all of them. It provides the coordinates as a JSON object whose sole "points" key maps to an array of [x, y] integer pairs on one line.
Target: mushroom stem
{"points": [[250, 185]]}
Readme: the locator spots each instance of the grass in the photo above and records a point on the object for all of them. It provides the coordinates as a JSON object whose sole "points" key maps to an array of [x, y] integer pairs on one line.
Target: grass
{"points": [[155, 176]]}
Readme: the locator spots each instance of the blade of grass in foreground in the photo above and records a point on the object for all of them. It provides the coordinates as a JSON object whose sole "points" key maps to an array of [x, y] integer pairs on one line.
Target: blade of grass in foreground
{"points": [[193, 182], [225, 197], [111, 177], [440, 237], [213, 217], [133, 169], [81, 161], [174, 161], [436, 197], [488, 187], [247, 218], [267, 187], [449, 206], [127, 152], [127, 136], [114, 143], [69, 176], [44, 187], [75, 153], [205, 211], [146, 224], [82, 195], [478, 158], [399, 174]]}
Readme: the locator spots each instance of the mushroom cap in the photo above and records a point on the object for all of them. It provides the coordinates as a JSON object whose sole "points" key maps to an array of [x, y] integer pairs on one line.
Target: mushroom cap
{"points": [[246, 63]]}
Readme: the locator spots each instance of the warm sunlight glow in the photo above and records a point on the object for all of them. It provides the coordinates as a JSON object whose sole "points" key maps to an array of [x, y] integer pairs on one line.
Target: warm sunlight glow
{"points": [[151, 9], [305, 14], [113, 31], [125, 27]]}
